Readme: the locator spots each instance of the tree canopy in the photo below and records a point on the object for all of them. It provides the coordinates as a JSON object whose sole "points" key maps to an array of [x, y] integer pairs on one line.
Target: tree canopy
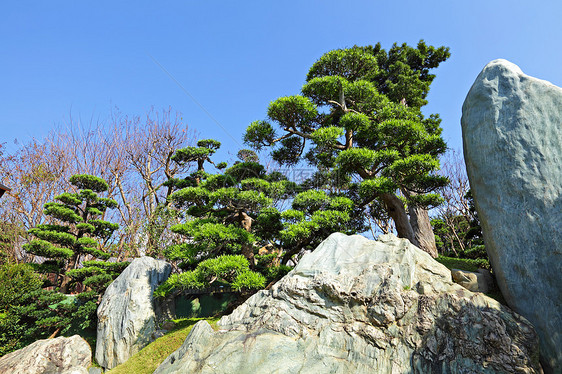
{"points": [[75, 226], [359, 119], [236, 231]]}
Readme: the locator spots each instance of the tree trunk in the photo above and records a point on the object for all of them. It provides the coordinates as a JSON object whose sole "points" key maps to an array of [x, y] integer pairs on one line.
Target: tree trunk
{"points": [[247, 250], [416, 228], [66, 278], [419, 219], [397, 212]]}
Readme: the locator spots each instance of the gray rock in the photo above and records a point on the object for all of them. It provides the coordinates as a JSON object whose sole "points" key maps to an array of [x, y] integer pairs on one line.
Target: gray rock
{"points": [[95, 370], [128, 314], [169, 325], [512, 134], [480, 281], [50, 356], [158, 334], [356, 306]]}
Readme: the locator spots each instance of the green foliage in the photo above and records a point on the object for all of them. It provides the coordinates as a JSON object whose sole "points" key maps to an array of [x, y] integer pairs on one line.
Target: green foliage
{"points": [[102, 229], [327, 135], [230, 270], [236, 211], [62, 213], [404, 70], [46, 249], [28, 312], [359, 117], [248, 280], [89, 182], [73, 237], [16, 280], [259, 134], [464, 263], [224, 267], [267, 266], [350, 64]]}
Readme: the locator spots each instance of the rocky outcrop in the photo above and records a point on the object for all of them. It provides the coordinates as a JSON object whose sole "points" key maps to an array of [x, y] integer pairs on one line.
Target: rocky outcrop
{"points": [[50, 356], [357, 306], [481, 281], [128, 314], [512, 139]]}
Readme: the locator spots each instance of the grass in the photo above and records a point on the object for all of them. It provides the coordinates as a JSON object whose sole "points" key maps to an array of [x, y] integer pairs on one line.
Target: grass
{"points": [[463, 263], [151, 356]]}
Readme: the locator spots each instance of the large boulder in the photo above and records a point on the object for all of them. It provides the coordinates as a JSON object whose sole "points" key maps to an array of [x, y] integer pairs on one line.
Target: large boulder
{"points": [[357, 306], [50, 356], [512, 134], [128, 314]]}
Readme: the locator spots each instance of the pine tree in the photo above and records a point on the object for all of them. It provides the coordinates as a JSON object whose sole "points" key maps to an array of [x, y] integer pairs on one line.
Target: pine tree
{"points": [[359, 118], [76, 228], [235, 212]]}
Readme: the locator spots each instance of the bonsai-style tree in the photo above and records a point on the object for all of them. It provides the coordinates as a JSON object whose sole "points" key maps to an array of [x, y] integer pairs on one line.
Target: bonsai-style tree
{"points": [[76, 228], [235, 213], [359, 119]]}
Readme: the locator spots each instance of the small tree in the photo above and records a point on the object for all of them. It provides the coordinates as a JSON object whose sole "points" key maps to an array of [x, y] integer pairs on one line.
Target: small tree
{"points": [[76, 223], [359, 116], [235, 212]]}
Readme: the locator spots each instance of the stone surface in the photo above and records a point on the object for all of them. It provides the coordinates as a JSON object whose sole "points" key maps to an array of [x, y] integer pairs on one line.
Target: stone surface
{"points": [[168, 325], [128, 315], [50, 356], [357, 306], [512, 138], [480, 281]]}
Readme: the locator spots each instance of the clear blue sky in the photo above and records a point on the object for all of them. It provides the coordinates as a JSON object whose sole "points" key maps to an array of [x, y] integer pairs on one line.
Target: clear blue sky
{"points": [[86, 57]]}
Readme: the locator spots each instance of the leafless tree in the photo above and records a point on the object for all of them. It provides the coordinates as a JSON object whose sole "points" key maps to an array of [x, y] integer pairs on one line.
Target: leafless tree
{"points": [[133, 154], [456, 204]]}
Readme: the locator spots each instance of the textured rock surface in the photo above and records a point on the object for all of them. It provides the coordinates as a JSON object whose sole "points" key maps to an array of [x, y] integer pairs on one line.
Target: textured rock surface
{"points": [[127, 315], [480, 281], [512, 134], [50, 356], [356, 306]]}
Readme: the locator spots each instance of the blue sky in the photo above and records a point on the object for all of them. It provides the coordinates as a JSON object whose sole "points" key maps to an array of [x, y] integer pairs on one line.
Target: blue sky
{"points": [[84, 58]]}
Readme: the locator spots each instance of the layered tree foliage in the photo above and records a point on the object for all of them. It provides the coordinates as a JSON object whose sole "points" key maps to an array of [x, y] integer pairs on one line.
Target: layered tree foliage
{"points": [[359, 120], [75, 230], [236, 213]]}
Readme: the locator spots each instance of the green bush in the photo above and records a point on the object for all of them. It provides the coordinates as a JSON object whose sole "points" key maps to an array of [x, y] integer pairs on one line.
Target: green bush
{"points": [[28, 312], [464, 263], [230, 270], [476, 252]]}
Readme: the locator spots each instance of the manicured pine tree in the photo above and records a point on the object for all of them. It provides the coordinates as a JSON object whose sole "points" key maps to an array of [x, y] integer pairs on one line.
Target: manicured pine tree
{"points": [[235, 212], [77, 226], [359, 116]]}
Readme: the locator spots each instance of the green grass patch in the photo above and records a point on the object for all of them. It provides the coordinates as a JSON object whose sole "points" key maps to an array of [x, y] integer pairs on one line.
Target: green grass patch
{"points": [[467, 264], [151, 356]]}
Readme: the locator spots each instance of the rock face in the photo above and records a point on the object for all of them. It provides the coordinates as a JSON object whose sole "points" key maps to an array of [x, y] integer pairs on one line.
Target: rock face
{"points": [[512, 134], [480, 281], [356, 306], [50, 356], [128, 315]]}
